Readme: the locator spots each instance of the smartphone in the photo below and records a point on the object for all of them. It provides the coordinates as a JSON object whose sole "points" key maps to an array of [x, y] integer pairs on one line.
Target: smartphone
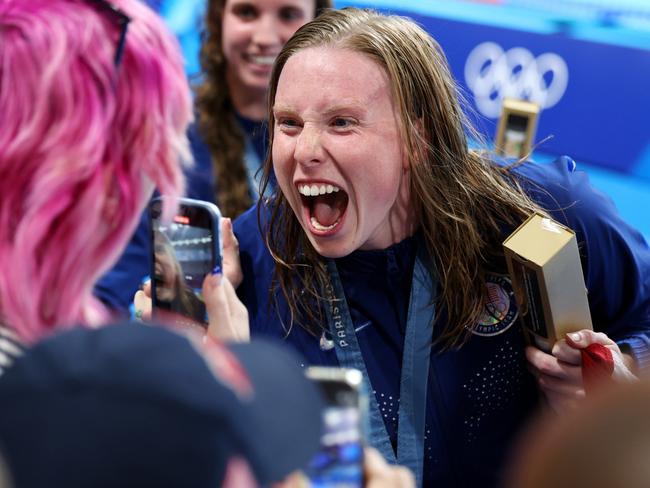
{"points": [[339, 462], [184, 251]]}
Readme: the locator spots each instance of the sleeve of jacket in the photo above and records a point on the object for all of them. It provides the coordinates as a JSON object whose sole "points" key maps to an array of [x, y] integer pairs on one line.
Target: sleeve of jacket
{"points": [[615, 257]]}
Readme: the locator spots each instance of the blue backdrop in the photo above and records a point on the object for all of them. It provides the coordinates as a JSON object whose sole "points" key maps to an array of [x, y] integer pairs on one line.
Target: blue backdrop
{"points": [[595, 95], [590, 69], [603, 115]]}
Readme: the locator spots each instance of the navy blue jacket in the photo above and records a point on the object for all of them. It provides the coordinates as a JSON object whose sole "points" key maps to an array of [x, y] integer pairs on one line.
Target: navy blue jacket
{"points": [[480, 395]]}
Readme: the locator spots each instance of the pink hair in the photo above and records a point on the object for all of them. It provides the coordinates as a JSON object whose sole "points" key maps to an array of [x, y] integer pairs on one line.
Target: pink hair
{"points": [[82, 142]]}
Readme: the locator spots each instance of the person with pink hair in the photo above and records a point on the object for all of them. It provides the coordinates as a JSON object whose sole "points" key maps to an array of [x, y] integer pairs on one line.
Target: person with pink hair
{"points": [[95, 105]]}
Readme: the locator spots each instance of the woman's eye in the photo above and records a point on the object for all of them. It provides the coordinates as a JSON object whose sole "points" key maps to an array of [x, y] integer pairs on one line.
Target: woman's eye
{"points": [[245, 11], [287, 123], [291, 14], [341, 123]]}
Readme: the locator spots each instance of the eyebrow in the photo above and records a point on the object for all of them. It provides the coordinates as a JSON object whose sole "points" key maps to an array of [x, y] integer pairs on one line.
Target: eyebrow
{"points": [[343, 107], [280, 108]]}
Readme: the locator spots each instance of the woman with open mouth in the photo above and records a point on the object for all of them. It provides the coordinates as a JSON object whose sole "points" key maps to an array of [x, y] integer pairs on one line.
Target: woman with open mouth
{"points": [[385, 236]]}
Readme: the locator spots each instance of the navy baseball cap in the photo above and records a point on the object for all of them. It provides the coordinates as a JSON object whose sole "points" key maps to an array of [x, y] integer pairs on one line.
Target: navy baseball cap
{"points": [[137, 405]]}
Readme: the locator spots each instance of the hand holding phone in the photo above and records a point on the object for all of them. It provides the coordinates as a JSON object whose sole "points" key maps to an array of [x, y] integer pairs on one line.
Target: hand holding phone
{"points": [[228, 317]]}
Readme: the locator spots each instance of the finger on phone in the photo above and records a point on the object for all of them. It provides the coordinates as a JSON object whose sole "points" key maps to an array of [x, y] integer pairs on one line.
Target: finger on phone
{"points": [[231, 265], [216, 304], [146, 288], [142, 305]]}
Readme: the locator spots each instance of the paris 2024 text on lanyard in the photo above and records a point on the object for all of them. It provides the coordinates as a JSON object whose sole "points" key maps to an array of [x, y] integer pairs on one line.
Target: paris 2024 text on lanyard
{"points": [[415, 366]]}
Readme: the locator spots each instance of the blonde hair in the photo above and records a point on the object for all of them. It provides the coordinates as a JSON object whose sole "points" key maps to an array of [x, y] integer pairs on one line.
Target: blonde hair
{"points": [[461, 198], [217, 119]]}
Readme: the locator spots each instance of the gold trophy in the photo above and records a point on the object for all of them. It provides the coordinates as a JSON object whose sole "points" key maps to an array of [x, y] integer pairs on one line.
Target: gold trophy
{"points": [[544, 265], [516, 129]]}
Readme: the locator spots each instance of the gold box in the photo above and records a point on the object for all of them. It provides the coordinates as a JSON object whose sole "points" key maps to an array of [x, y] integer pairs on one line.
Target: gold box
{"points": [[517, 127], [544, 265]]}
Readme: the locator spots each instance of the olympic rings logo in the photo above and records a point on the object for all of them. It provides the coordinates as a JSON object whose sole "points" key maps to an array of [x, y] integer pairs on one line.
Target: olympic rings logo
{"points": [[492, 75]]}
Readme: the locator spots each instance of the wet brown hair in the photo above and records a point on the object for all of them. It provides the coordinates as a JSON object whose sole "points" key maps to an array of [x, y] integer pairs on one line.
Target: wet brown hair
{"points": [[461, 197]]}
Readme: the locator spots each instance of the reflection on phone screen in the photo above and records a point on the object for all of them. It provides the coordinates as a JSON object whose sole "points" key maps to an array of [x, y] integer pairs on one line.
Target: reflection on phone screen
{"points": [[339, 462], [182, 258]]}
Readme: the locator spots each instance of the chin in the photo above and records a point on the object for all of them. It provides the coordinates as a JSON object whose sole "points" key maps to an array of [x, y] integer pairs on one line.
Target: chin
{"points": [[331, 250]]}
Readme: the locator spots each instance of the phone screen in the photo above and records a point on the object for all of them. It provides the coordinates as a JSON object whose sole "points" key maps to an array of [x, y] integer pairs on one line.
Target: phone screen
{"points": [[339, 462], [185, 250]]}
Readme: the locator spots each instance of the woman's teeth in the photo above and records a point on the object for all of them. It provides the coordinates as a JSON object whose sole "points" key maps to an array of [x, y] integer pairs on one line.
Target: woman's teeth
{"points": [[322, 207], [263, 60], [315, 190], [318, 226]]}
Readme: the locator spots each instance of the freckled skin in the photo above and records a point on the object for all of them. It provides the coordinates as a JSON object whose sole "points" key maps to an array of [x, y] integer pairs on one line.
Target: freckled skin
{"points": [[339, 125]]}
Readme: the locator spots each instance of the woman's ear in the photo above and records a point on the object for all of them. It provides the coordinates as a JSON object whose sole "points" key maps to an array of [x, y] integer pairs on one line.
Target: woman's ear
{"points": [[419, 141]]}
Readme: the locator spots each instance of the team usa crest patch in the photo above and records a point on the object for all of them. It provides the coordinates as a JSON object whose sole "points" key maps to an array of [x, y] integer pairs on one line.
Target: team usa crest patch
{"points": [[500, 310]]}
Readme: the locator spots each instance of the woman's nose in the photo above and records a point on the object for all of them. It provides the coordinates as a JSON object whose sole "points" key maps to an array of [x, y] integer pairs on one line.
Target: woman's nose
{"points": [[267, 32], [309, 148]]}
